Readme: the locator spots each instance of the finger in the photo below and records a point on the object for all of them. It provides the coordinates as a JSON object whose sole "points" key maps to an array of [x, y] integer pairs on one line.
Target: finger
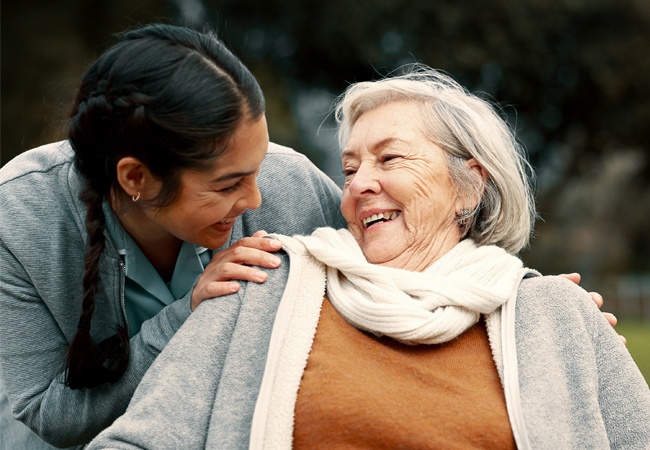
{"points": [[212, 290], [219, 289], [623, 339], [245, 255], [258, 242], [231, 271], [597, 298], [611, 318], [260, 233], [574, 277]]}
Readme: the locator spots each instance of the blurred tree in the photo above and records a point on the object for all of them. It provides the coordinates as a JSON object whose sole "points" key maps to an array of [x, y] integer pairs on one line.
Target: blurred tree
{"points": [[45, 48]]}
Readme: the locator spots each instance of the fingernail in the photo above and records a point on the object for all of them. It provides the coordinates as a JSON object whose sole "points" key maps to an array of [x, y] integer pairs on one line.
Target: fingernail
{"points": [[273, 242], [274, 260]]}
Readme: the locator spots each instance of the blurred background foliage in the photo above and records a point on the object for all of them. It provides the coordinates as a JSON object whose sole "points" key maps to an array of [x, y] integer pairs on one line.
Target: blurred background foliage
{"points": [[572, 76]]}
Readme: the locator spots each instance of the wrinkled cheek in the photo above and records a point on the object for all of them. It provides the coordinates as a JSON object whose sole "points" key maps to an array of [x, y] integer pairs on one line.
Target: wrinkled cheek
{"points": [[414, 225], [347, 209], [356, 232], [416, 232]]}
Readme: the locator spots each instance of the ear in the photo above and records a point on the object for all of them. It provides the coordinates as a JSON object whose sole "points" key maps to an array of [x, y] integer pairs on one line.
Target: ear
{"points": [[473, 165], [136, 179], [476, 170]]}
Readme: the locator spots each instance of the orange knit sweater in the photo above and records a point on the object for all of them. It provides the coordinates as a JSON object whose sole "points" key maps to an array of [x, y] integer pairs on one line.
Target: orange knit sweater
{"points": [[359, 391]]}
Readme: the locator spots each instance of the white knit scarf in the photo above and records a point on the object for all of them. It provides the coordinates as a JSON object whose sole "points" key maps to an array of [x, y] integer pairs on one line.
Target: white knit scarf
{"points": [[427, 307]]}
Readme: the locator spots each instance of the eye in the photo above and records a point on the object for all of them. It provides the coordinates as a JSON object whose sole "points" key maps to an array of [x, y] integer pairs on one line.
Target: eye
{"points": [[389, 158], [231, 189], [349, 173]]}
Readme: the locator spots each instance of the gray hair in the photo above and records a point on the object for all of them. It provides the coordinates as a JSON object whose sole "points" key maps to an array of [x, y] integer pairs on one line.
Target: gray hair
{"points": [[466, 127]]}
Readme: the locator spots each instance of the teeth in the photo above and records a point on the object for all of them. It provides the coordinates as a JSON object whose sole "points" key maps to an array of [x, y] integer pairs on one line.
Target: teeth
{"points": [[381, 216]]}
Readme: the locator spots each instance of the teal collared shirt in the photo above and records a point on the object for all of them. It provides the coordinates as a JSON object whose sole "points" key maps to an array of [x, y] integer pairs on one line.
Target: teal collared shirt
{"points": [[145, 292]]}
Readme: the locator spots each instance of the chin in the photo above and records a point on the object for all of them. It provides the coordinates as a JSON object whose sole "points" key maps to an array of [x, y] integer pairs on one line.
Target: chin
{"points": [[377, 257], [215, 242]]}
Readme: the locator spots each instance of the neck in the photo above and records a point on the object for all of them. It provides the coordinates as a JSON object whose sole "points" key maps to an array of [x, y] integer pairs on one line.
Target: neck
{"points": [[163, 257], [159, 246], [419, 258]]}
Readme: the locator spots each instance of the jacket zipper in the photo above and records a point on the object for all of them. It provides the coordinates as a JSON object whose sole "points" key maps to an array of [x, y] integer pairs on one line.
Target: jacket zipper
{"points": [[122, 300]]}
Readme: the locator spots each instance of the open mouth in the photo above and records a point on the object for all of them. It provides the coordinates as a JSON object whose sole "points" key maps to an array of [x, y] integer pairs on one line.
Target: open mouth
{"points": [[225, 222], [381, 217]]}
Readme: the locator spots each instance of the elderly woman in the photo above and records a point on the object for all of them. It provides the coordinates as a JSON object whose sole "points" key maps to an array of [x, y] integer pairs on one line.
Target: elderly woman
{"points": [[415, 328]]}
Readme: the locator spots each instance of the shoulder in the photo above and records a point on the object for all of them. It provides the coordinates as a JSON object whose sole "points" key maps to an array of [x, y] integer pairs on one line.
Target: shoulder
{"points": [[41, 176], [278, 156], [556, 303], [554, 289], [40, 183], [37, 161], [296, 261], [283, 166], [274, 285], [553, 318], [38, 178], [297, 197], [278, 149]]}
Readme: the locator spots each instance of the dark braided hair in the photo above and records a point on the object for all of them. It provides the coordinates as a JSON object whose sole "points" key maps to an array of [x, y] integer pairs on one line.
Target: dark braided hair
{"points": [[171, 97]]}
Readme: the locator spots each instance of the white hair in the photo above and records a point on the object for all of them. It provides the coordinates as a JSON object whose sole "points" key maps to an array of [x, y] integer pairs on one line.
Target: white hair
{"points": [[466, 127]]}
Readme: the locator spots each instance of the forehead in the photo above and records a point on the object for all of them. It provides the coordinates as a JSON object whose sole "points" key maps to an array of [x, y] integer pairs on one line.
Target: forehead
{"points": [[398, 123], [242, 157]]}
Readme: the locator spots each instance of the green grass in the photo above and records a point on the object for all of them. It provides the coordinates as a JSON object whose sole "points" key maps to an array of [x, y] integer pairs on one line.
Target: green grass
{"points": [[638, 343]]}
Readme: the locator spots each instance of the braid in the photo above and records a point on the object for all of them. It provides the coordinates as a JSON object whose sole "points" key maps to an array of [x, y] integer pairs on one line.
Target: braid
{"points": [[95, 224], [87, 365], [172, 98]]}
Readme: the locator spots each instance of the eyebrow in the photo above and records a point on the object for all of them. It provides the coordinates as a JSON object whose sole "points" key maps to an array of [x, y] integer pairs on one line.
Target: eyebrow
{"points": [[230, 176], [347, 153]]}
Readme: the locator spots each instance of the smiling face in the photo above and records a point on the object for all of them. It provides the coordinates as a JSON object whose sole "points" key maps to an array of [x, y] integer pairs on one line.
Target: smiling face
{"points": [[209, 200], [398, 198]]}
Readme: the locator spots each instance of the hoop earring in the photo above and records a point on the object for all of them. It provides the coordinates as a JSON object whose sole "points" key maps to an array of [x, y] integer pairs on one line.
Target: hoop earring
{"points": [[463, 218], [136, 197]]}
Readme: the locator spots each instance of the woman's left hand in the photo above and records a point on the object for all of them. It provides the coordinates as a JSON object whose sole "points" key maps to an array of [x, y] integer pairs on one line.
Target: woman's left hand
{"points": [[596, 297]]}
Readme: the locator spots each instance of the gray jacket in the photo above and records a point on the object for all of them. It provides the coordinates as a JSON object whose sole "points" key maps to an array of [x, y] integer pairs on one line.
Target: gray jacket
{"points": [[42, 247], [229, 379]]}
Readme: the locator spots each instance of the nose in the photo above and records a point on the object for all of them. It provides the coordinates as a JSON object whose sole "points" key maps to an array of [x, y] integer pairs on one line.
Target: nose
{"points": [[251, 198], [365, 181]]}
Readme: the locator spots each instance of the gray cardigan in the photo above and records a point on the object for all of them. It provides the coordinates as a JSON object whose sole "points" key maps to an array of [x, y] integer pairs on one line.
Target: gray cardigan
{"points": [[42, 246], [229, 378]]}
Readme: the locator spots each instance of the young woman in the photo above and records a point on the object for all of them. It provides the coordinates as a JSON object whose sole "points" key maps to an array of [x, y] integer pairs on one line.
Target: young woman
{"points": [[110, 239]]}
